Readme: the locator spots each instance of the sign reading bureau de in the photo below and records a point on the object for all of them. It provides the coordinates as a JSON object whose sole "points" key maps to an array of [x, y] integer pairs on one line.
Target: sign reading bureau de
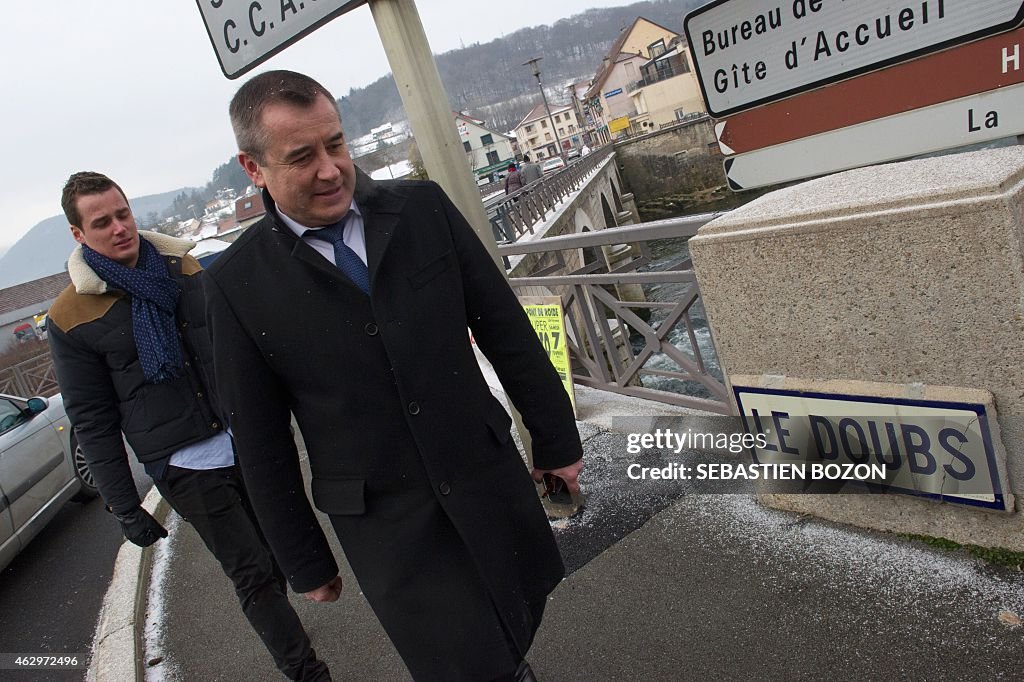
{"points": [[751, 52], [246, 33]]}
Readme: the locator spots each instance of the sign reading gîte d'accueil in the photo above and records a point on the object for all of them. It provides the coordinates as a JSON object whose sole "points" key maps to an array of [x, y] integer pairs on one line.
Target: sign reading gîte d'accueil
{"points": [[936, 449], [751, 52], [246, 33]]}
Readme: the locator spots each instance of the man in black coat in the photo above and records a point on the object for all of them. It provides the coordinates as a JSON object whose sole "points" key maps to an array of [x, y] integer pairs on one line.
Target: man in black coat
{"points": [[349, 304], [129, 343]]}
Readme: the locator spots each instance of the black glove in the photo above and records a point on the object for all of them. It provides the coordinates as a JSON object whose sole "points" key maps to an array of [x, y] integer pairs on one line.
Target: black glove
{"points": [[140, 528]]}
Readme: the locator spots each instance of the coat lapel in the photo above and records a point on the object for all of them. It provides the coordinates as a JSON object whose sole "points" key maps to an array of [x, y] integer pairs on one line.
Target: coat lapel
{"points": [[381, 209], [307, 254]]}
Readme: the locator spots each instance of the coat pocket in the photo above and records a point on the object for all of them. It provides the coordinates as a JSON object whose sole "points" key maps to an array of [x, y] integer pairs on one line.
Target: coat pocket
{"points": [[499, 422], [431, 270], [340, 497]]}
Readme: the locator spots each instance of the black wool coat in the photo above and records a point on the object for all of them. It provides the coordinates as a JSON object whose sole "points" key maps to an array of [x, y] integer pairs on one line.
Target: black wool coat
{"points": [[411, 456]]}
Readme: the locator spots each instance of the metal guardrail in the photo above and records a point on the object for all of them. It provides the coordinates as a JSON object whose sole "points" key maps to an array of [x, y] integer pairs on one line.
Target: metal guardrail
{"points": [[515, 214], [605, 324], [34, 377]]}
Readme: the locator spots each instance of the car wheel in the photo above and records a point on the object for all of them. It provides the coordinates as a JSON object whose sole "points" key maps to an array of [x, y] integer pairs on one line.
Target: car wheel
{"points": [[82, 473]]}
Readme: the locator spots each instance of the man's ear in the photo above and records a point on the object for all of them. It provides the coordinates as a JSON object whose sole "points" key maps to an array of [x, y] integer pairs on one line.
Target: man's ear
{"points": [[76, 234], [252, 169]]}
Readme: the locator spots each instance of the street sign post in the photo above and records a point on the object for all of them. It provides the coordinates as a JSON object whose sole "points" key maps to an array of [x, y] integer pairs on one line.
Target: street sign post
{"points": [[961, 71], [752, 52], [969, 120], [246, 33]]}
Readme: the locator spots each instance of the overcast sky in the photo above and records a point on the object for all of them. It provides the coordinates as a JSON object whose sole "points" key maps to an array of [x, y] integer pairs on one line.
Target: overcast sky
{"points": [[133, 89]]}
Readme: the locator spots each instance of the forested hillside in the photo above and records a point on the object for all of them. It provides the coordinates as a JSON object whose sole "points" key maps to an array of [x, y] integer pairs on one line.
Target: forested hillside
{"points": [[490, 80]]}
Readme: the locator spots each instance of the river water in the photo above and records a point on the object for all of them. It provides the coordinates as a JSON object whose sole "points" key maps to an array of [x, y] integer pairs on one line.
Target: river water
{"points": [[665, 253]]}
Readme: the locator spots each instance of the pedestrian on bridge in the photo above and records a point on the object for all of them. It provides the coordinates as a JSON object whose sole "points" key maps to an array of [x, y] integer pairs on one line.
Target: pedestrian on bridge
{"points": [[411, 456], [530, 171], [513, 181], [129, 343]]}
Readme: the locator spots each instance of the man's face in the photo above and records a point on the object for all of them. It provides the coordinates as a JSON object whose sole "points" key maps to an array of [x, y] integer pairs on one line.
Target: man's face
{"points": [[108, 226], [307, 166]]}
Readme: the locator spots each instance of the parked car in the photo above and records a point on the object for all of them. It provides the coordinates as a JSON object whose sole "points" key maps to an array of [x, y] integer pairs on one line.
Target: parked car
{"points": [[573, 153], [41, 468], [552, 164]]}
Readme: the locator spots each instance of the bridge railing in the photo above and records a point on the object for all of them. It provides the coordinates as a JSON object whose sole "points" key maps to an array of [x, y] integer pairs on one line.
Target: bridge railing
{"points": [[516, 214], [30, 378], [656, 345]]}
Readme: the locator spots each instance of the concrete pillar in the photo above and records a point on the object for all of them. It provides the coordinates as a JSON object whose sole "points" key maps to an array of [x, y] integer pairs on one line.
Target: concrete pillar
{"points": [[900, 281], [629, 204], [430, 114]]}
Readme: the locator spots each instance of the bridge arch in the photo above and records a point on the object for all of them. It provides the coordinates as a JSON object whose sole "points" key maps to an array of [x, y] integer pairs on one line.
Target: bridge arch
{"points": [[590, 254], [609, 215]]}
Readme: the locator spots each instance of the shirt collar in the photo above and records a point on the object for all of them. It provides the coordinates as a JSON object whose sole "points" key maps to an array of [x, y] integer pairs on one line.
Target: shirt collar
{"points": [[300, 229]]}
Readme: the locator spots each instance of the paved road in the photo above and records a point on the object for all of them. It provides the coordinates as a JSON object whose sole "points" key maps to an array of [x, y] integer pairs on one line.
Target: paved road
{"points": [[667, 583], [50, 595]]}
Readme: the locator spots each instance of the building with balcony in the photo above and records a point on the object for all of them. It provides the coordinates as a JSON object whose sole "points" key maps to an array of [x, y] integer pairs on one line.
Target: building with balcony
{"points": [[651, 60], [538, 134], [667, 91]]}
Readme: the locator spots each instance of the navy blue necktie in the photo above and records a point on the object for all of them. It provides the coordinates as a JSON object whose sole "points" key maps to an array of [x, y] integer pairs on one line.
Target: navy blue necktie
{"points": [[347, 260]]}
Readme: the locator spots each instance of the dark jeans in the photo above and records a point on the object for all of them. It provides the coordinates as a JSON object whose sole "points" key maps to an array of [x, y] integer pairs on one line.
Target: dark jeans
{"points": [[216, 504]]}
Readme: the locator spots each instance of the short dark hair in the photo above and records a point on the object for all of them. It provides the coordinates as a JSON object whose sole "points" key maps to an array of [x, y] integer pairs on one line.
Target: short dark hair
{"points": [[80, 184], [271, 87], [526, 158], [511, 167]]}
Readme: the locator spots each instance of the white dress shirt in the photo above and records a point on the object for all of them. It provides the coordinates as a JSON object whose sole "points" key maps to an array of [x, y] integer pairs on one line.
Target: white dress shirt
{"points": [[354, 235]]}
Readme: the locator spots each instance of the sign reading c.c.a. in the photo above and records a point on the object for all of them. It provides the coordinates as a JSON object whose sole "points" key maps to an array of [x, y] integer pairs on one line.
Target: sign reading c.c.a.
{"points": [[751, 52], [246, 33]]}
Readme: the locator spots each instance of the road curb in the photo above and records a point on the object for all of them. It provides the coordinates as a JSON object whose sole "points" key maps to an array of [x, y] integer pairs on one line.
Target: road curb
{"points": [[116, 650]]}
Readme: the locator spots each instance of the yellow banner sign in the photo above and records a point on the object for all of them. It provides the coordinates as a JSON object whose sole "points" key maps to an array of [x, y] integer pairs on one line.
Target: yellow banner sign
{"points": [[548, 320], [617, 124]]}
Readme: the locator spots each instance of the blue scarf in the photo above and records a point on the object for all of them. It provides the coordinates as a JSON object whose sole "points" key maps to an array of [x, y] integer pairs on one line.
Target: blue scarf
{"points": [[154, 295]]}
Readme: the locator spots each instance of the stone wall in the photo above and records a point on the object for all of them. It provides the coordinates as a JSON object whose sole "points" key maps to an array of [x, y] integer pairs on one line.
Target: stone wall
{"points": [[672, 169], [900, 280]]}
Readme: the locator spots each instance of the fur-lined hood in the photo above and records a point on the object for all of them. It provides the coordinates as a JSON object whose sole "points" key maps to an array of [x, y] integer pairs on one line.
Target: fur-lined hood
{"points": [[85, 279]]}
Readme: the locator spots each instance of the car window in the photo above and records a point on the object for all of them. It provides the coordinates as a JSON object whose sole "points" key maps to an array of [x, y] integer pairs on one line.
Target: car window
{"points": [[10, 415]]}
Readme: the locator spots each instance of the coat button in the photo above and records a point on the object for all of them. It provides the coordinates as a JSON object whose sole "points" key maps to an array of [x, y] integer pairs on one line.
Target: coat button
{"points": [[414, 408], [371, 329], [444, 488], [199, 394], [215, 425]]}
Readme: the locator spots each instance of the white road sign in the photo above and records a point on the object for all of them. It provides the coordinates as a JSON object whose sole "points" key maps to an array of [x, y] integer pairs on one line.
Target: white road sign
{"points": [[245, 33], [750, 52], [935, 449], [969, 120]]}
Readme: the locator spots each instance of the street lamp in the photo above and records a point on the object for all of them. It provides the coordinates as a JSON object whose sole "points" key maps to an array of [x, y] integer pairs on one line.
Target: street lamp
{"points": [[536, 74]]}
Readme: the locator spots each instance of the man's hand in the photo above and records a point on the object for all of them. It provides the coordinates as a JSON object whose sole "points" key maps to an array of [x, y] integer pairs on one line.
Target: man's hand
{"points": [[570, 474], [329, 592], [140, 528]]}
